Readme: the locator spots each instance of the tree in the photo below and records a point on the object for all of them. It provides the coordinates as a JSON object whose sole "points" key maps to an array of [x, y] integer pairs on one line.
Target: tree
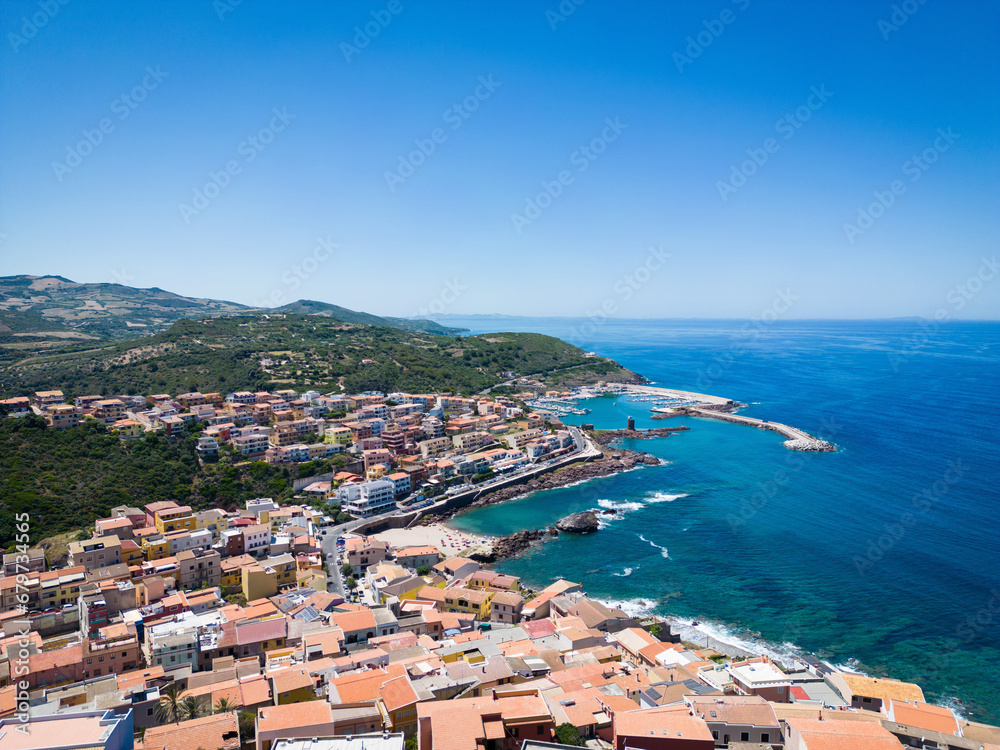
{"points": [[190, 708], [248, 727], [140, 734], [351, 583], [347, 570], [423, 570], [655, 629], [567, 734], [168, 708], [225, 706]]}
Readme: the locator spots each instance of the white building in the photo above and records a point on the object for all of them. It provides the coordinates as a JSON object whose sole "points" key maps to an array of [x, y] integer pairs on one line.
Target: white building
{"points": [[368, 498]]}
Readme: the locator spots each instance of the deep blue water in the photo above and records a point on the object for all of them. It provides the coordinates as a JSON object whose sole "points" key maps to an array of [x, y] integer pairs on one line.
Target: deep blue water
{"points": [[883, 555]]}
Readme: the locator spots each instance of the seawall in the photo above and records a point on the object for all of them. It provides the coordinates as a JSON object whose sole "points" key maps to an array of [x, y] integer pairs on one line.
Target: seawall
{"points": [[797, 439]]}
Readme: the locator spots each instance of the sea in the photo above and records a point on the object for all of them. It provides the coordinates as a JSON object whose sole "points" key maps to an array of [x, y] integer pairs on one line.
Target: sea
{"points": [[882, 557]]}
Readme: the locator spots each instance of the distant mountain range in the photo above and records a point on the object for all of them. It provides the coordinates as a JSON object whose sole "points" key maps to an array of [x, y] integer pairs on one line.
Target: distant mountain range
{"points": [[54, 307]]}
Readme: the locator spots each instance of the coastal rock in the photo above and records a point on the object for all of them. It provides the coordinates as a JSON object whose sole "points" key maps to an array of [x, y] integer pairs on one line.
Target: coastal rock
{"points": [[579, 523], [508, 546], [817, 446]]}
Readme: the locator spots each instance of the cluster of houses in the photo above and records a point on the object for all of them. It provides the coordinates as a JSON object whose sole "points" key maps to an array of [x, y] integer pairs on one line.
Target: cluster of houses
{"points": [[393, 444], [229, 614]]}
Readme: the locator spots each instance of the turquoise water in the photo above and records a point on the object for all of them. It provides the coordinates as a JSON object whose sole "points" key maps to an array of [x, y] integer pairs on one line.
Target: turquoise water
{"points": [[883, 555]]}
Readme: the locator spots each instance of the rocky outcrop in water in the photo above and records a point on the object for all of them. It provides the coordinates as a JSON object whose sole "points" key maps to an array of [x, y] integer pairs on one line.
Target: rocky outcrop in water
{"points": [[816, 446], [606, 437], [509, 546], [579, 523]]}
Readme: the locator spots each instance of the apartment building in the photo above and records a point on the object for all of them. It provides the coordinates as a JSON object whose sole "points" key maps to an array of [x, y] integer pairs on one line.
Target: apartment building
{"points": [[99, 552]]}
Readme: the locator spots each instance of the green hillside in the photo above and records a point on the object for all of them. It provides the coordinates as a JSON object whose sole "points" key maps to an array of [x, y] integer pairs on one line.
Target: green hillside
{"points": [[301, 352]]}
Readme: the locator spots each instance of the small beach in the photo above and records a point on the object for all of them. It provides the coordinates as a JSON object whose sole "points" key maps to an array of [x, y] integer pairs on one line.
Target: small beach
{"points": [[449, 541]]}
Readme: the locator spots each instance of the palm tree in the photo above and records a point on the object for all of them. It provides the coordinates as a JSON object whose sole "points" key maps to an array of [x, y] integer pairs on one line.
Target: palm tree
{"points": [[225, 706], [168, 708], [190, 708]]}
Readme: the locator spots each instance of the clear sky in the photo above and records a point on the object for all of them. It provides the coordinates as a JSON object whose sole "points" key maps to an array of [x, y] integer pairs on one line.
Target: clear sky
{"points": [[834, 159]]}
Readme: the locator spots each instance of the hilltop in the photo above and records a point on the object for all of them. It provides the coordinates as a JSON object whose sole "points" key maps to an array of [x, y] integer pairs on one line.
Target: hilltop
{"points": [[48, 310]]}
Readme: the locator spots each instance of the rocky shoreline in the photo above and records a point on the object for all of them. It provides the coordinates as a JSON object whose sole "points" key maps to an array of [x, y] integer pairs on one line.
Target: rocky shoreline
{"points": [[607, 437], [612, 462]]}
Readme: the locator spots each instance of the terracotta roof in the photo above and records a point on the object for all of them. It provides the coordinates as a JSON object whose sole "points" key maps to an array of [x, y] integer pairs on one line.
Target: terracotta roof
{"points": [[669, 721], [59, 657], [734, 709], [287, 680], [293, 715], [923, 715], [398, 693], [844, 735], [351, 622], [216, 731], [882, 688]]}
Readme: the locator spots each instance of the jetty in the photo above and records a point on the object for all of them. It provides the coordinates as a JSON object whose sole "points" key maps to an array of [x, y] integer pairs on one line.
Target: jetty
{"points": [[798, 440], [701, 398]]}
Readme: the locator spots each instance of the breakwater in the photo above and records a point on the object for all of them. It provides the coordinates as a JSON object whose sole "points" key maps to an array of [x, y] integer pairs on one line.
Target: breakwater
{"points": [[798, 440]]}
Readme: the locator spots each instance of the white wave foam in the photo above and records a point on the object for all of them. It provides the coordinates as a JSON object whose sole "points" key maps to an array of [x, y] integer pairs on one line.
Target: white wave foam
{"points": [[663, 550], [624, 574], [633, 607], [728, 641], [665, 497], [622, 506]]}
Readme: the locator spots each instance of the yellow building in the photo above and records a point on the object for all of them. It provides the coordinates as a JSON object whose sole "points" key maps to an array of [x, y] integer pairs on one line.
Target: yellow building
{"points": [[284, 568], [132, 555], [214, 520], [155, 548], [469, 601], [174, 519], [294, 685], [259, 582]]}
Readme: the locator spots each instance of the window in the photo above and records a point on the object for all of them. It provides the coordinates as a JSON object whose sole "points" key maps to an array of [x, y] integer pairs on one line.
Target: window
{"points": [[538, 729], [514, 731], [744, 736], [866, 700], [765, 737]]}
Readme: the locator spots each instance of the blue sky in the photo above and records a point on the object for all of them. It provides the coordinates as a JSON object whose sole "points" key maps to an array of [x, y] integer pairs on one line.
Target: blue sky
{"points": [[834, 155]]}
